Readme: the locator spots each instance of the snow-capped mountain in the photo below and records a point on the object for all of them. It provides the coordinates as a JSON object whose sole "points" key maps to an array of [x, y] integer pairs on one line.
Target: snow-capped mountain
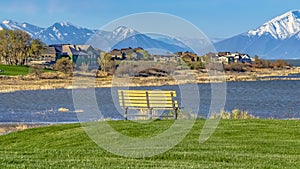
{"points": [[277, 38], [281, 27], [65, 32], [123, 37], [120, 37], [62, 32], [151, 45], [122, 32], [105, 40], [26, 27]]}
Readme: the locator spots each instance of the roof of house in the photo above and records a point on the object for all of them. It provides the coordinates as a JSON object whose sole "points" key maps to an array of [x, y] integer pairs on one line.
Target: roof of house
{"points": [[49, 50], [83, 47], [71, 50], [223, 53], [189, 54]]}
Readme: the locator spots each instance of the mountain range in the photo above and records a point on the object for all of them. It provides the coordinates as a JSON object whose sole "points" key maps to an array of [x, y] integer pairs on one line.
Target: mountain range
{"points": [[62, 32], [120, 37], [277, 38], [123, 37]]}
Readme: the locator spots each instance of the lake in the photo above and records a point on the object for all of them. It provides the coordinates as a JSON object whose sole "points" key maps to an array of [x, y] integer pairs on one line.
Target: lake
{"points": [[266, 99]]}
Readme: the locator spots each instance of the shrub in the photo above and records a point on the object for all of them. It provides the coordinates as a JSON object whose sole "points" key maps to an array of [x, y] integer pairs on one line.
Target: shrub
{"points": [[196, 65], [238, 67], [225, 115], [37, 71], [107, 64], [235, 113], [244, 115], [64, 65], [261, 63], [279, 64]]}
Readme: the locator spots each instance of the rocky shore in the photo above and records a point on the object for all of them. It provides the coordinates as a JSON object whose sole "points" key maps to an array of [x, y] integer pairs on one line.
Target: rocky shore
{"points": [[6, 128]]}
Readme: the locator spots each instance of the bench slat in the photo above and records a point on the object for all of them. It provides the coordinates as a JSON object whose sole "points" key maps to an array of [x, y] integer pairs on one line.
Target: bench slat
{"points": [[150, 93], [152, 105], [146, 105], [148, 99], [145, 101]]}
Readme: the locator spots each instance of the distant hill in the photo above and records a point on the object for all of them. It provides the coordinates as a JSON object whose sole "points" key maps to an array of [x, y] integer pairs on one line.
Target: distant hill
{"points": [[123, 37], [120, 37], [277, 38], [62, 32]]}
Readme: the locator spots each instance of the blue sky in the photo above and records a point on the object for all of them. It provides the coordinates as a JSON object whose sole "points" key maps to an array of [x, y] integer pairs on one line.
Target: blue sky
{"points": [[216, 18]]}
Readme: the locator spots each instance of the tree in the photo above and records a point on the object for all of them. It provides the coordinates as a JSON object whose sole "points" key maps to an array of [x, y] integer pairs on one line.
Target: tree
{"points": [[16, 47], [106, 63], [36, 48], [4, 47], [64, 65]]}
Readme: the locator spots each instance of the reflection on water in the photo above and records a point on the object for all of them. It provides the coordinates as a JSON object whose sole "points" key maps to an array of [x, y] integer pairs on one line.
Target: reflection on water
{"points": [[278, 99]]}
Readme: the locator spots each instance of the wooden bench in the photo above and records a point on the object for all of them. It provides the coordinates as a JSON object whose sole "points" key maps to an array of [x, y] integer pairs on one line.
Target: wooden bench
{"points": [[148, 99]]}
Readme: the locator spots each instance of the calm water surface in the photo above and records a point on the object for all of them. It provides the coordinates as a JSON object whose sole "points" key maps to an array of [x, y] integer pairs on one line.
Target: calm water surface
{"points": [[277, 99]]}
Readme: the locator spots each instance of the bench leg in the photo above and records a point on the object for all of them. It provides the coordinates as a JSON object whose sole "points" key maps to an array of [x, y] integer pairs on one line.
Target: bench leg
{"points": [[150, 114], [175, 114], [125, 113]]}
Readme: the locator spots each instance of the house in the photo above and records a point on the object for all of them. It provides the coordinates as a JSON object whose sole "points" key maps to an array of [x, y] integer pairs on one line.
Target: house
{"points": [[93, 54], [166, 58], [128, 50], [210, 57], [189, 57], [245, 58], [220, 54], [117, 54], [137, 56], [121, 54], [79, 54], [49, 54], [75, 55], [228, 57], [137, 49]]}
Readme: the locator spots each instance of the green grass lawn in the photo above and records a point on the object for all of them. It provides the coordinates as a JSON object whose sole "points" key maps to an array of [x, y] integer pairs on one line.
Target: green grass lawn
{"points": [[235, 144], [11, 70]]}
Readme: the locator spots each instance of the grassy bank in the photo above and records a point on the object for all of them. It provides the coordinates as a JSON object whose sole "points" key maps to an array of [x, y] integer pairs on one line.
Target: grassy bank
{"points": [[17, 70], [10, 70], [235, 144]]}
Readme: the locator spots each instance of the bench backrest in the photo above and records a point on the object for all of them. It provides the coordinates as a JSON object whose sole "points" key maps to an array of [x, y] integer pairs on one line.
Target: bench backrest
{"points": [[151, 99]]}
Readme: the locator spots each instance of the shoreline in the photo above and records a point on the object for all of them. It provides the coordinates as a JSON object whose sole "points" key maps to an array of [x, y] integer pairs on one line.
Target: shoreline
{"points": [[6, 128], [22, 83]]}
